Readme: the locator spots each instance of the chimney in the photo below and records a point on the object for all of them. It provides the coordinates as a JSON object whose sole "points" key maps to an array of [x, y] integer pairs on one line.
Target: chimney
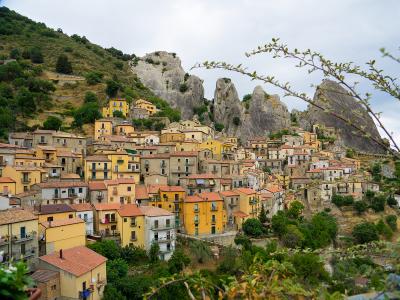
{"points": [[61, 255]]}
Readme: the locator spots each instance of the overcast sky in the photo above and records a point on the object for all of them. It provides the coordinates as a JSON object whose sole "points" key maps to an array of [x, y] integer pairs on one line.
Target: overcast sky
{"points": [[343, 30]]}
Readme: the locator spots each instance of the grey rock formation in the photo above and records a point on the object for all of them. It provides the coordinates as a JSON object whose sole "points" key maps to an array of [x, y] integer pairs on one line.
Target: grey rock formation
{"points": [[331, 95], [264, 114], [162, 73]]}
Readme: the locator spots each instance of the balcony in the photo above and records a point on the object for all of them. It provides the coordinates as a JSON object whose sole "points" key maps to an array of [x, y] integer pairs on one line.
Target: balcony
{"points": [[133, 224], [213, 221], [111, 233], [232, 205], [214, 209], [99, 169], [4, 241], [165, 239], [26, 180], [196, 221], [165, 227], [100, 197], [42, 142], [108, 221], [196, 210], [17, 255], [23, 238]]}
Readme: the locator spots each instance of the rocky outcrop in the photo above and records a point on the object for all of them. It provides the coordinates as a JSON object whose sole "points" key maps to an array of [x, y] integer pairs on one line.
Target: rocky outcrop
{"points": [[162, 73], [262, 114], [331, 95]]}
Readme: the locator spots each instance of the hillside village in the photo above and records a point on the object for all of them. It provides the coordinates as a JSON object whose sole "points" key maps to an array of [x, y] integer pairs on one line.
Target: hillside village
{"points": [[123, 191]]}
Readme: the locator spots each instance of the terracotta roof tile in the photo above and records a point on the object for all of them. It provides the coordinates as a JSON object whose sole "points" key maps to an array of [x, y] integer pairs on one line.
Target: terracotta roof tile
{"points": [[141, 192], [63, 222], [229, 193], [97, 158], [62, 184], [246, 191], [6, 180], [82, 206], [152, 211], [171, 188], [129, 210], [107, 206], [240, 214], [53, 208], [77, 261], [210, 196], [97, 185], [15, 215]]}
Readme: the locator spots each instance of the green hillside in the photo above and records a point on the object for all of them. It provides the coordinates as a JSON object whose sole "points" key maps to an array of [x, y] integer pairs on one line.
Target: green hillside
{"points": [[32, 90]]}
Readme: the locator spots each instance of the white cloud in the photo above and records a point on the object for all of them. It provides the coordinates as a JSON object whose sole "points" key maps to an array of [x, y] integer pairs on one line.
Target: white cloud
{"points": [[223, 30]]}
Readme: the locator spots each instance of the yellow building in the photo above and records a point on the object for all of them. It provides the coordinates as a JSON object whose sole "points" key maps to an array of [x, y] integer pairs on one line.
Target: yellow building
{"points": [[116, 105], [169, 137], [215, 146], [121, 190], [187, 145], [18, 235], [7, 186], [97, 167], [249, 203], [123, 165], [131, 225], [61, 234], [204, 214], [54, 212], [147, 105], [105, 220], [82, 272], [124, 129], [47, 153], [102, 127], [24, 176]]}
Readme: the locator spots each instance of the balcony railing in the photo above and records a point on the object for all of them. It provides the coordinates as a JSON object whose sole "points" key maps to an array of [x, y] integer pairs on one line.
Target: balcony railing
{"points": [[133, 224], [23, 238], [162, 227], [108, 221], [164, 239], [4, 241], [100, 197], [111, 233], [17, 255], [26, 180], [214, 208]]}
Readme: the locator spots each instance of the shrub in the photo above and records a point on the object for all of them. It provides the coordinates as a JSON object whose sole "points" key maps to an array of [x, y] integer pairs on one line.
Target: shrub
{"points": [[87, 113], [10, 71], [360, 206], [219, 127], [391, 201], [119, 65], [154, 252], [178, 261], [112, 88], [52, 123], [107, 248], [243, 240], [293, 237], [183, 87], [93, 77], [90, 97], [340, 201], [201, 251], [252, 227], [279, 223], [383, 229], [365, 232], [36, 56], [63, 65], [15, 54], [116, 269], [378, 203], [309, 267], [391, 220], [263, 215], [134, 255], [246, 97], [236, 121], [295, 210]]}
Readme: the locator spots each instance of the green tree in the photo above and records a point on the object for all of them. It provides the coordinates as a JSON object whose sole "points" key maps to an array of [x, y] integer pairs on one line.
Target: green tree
{"points": [[154, 252], [107, 248], [279, 223], [116, 269], [391, 220], [134, 255], [15, 53], [52, 123], [309, 268], [25, 101], [63, 65], [293, 237], [14, 281], [376, 171], [112, 293], [112, 88], [219, 127], [183, 87], [263, 215], [93, 77], [10, 71], [201, 251], [365, 232], [391, 201], [378, 203], [295, 210], [243, 240], [118, 114], [90, 97], [252, 227], [36, 56], [360, 206], [87, 113], [178, 261]]}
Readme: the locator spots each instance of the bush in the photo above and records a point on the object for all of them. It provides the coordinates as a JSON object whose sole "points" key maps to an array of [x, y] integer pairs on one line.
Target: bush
{"points": [[365, 232], [360, 206], [309, 268], [90, 97], [279, 223], [15, 54], [295, 210], [293, 237], [383, 229], [63, 65], [378, 203], [219, 127], [391, 220], [107, 248], [112, 88], [252, 227], [52, 123], [243, 241], [118, 114], [154, 252], [236, 121], [340, 201], [391, 201], [183, 87], [10, 71], [134, 255], [87, 113], [201, 251], [178, 261], [119, 65], [116, 269], [36, 56], [320, 232], [93, 77]]}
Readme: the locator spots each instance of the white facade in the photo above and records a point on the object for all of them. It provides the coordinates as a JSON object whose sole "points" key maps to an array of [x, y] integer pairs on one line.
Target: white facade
{"points": [[87, 216], [64, 193], [152, 139], [161, 230]]}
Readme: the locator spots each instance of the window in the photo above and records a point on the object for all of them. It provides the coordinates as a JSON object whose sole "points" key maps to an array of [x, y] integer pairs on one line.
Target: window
{"points": [[49, 219], [133, 235], [213, 206], [196, 207], [213, 219], [70, 216], [129, 188], [156, 224], [133, 221], [168, 222], [80, 190]]}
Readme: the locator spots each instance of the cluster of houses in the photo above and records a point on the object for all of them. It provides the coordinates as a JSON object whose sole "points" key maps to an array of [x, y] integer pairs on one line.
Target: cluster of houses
{"points": [[60, 191]]}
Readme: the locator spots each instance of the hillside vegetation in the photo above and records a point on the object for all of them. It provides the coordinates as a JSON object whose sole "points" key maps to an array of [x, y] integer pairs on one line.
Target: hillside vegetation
{"points": [[53, 72]]}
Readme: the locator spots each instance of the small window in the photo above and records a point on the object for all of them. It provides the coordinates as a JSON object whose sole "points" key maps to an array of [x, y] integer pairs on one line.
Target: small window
{"points": [[71, 216]]}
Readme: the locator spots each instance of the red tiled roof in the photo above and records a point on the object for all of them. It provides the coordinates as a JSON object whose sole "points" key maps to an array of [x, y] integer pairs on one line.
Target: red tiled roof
{"points": [[77, 261], [97, 158], [62, 184], [247, 191], [240, 214], [193, 198], [81, 206], [171, 188], [119, 181], [229, 193], [129, 210], [274, 189], [141, 192], [97, 185], [185, 153], [152, 211], [6, 180], [107, 206], [63, 222], [210, 196]]}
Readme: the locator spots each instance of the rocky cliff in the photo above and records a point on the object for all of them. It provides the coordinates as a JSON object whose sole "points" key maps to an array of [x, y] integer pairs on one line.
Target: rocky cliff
{"points": [[162, 72], [261, 114], [332, 96]]}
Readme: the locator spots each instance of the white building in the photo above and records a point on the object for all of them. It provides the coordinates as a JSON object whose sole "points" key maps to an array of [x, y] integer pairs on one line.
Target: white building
{"points": [[85, 212], [152, 139], [68, 192], [160, 228]]}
